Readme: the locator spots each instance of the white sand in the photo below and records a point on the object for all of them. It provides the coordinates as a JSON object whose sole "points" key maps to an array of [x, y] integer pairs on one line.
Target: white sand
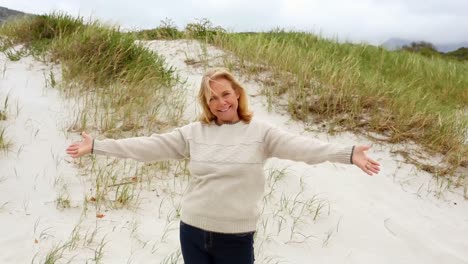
{"points": [[400, 216]]}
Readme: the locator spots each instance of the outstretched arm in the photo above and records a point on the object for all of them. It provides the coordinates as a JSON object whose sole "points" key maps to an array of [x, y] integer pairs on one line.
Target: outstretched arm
{"points": [[156, 147], [285, 145]]}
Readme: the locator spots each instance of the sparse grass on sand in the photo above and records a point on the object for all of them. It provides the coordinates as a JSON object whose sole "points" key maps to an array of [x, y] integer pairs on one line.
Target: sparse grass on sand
{"points": [[120, 89], [122, 86]]}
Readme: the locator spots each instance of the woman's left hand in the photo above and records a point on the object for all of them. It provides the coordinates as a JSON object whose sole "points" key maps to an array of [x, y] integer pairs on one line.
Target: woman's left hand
{"points": [[365, 163]]}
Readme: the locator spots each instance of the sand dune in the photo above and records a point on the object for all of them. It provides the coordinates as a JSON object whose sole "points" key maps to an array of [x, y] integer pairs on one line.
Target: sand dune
{"points": [[402, 215]]}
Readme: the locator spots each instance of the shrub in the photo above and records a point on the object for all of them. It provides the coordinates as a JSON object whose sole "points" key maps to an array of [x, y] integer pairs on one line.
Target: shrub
{"points": [[203, 29], [167, 30]]}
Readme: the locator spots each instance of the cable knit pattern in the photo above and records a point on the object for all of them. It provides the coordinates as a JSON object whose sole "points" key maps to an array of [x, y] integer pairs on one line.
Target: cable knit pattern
{"points": [[249, 153], [226, 165]]}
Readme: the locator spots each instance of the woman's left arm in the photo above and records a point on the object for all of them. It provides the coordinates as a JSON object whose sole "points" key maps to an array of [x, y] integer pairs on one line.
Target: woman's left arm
{"points": [[284, 145]]}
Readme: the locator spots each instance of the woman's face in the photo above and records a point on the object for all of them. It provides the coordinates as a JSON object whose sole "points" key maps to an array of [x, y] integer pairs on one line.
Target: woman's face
{"points": [[223, 102]]}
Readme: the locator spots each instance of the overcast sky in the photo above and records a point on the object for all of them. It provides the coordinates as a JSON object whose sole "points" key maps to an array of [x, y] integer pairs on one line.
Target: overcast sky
{"points": [[372, 21]]}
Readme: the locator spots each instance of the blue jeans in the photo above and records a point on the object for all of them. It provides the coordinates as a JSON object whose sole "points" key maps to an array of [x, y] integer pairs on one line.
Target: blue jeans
{"points": [[205, 247]]}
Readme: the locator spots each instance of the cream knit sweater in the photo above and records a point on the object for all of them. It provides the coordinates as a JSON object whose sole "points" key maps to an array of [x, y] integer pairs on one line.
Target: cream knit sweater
{"points": [[226, 165]]}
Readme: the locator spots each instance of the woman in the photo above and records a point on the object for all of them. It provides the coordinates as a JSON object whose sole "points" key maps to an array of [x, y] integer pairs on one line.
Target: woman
{"points": [[227, 150]]}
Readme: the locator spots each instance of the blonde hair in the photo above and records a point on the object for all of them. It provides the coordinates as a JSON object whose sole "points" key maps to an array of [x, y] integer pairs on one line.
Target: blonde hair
{"points": [[205, 93]]}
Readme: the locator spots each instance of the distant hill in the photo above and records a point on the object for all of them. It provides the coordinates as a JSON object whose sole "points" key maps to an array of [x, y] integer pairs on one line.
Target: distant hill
{"points": [[396, 43], [6, 13]]}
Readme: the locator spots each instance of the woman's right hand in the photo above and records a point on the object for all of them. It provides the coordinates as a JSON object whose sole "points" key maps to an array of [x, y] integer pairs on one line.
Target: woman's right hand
{"points": [[78, 149]]}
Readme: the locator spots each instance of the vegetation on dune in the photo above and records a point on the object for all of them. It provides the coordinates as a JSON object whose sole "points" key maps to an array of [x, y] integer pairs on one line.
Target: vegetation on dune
{"points": [[401, 95], [109, 55], [117, 88], [201, 29], [167, 30], [130, 83], [5, 143]]}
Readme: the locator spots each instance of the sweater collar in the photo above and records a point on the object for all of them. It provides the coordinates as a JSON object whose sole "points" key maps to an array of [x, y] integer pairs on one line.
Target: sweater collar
{"points": [[227, 123]]}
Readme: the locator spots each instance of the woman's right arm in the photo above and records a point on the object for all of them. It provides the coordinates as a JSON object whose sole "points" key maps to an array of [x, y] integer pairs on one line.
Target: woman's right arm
{"points": [[156, 147]]}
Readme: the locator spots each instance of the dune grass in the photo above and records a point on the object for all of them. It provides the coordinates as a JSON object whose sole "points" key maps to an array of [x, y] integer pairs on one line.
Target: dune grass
{"points": [[166, 30], [201, 29], [5, 143], [121, 86], [109, 56], [401, 95]]}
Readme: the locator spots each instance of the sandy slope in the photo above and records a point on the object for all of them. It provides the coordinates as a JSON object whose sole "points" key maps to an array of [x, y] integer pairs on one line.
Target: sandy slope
{"points": [[399, 216]]}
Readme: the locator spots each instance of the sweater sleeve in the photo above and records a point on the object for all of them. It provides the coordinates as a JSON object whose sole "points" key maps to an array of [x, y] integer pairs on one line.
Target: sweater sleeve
{"points": [[284, 145], [165, 146]]}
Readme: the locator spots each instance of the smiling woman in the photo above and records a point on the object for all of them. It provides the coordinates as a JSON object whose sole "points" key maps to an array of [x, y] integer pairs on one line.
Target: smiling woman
{"points": [[227, 150], [222, 98]]}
